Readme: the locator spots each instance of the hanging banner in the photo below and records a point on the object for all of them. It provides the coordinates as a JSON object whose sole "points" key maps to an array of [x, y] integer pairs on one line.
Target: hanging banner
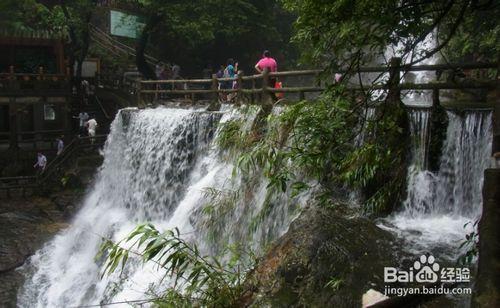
{"points": [[122, 24]]}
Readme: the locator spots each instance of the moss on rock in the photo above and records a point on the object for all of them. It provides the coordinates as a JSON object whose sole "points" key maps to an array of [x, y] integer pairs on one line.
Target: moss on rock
{"points": [[324, 259]]}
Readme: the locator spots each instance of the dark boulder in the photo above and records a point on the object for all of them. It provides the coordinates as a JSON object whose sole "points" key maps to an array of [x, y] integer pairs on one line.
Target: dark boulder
{"points": [[325, 259]]}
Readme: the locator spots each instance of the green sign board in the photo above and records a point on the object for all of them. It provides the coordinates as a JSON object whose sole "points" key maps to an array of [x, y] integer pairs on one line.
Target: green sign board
{"points": [[126, 25]]}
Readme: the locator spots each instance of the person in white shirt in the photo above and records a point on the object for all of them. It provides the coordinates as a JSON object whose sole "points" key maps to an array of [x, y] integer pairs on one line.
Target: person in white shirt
{"points": [[41, 162], [60, 146], [91, 128], [82, 117]]}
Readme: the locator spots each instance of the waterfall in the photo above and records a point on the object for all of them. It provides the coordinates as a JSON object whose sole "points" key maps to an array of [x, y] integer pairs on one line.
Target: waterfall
{"points": [[368, 116], [419, 132], [466, 155], [157, 166], [440, 204], [419, 196]]}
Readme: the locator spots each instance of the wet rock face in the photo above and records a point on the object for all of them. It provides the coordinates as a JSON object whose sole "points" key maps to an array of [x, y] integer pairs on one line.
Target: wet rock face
{"points": [[324, 259], [25, 225]]}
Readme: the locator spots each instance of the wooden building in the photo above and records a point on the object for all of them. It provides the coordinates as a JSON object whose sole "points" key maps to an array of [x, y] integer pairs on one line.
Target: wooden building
{"points": [[35, 90]]}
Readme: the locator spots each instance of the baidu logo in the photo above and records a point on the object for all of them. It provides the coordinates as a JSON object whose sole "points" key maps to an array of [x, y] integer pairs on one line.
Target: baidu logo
{"points": [[426, 270]]}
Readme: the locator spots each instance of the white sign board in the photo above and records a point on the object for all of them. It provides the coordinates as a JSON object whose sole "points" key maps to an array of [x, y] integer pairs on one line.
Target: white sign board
{"points": [[122, 24], [89, 68]]}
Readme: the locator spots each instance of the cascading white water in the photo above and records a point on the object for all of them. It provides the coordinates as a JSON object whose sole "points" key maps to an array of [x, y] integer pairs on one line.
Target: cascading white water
{"points": [[439, 205], [419, 179], [369, 116], [419, 132], [157, 165]]}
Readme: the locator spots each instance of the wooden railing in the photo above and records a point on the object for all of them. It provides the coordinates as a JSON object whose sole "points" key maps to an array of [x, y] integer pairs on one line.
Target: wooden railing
{"points": [[13, 81], [71, 151], [151, 91], [35, 139], [114, 46], [53, 171], [22, 184]]}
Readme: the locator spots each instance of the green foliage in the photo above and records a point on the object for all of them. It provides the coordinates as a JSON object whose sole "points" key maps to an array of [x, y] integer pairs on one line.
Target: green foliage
{"points": [[346, 33], [22, 15], [220, 205], [471, 243], [233, 138], [198, 280], [209, 32], [315, 141], [334, 283], [478, 36], [321, 134]]}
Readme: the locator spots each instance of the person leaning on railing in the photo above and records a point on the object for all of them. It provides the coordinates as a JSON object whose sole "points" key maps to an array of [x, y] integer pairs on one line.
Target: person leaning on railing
{"points": [[270, 64]]}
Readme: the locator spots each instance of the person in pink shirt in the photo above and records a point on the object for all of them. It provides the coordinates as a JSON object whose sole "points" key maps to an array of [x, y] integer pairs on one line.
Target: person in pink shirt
{"points": [[270, 64], [266, 62]]}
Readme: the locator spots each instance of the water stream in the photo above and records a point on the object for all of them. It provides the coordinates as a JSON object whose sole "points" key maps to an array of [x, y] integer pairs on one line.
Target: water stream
{"points": [[158, 164], [439, 205]]}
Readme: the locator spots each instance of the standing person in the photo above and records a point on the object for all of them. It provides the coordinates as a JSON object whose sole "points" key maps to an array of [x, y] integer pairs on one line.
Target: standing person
{"points": [[91, 127], [176, 74], [86, 91], [60, 145], [41, 162], [83, 118], [231, 69], [176, 71], [266, 62], [229, 72], [220, 74], [270, 64], [158, 69]]}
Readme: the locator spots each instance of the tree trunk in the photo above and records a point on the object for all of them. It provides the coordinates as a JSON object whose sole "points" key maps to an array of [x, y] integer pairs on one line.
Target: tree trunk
{"points": [[142, 65], [79, 48]]}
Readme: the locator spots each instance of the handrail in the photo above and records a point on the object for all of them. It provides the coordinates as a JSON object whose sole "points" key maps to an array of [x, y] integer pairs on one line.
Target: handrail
{"points": [[73, 147], [182, 81], [117, 44], [64, 152], [102, 107], [148, 87], [32, 75], [9, 183], [61, 159], [17, 178]]}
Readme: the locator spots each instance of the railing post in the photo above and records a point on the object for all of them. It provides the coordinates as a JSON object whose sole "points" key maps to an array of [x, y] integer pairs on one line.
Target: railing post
{"points": [[435, 98], [139, 98], [266, 95], [12, 78], [239, 99], [13, 113], [40, 73], [252, 96], [193, 98], [157, 87], [215, 87], [394, 95]]}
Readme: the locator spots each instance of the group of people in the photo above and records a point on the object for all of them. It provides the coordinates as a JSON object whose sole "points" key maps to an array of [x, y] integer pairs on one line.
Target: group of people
{"points": [[86, 89], [87, 124], [230, 70], [41, 160], [88, 127], [162, 72]]}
